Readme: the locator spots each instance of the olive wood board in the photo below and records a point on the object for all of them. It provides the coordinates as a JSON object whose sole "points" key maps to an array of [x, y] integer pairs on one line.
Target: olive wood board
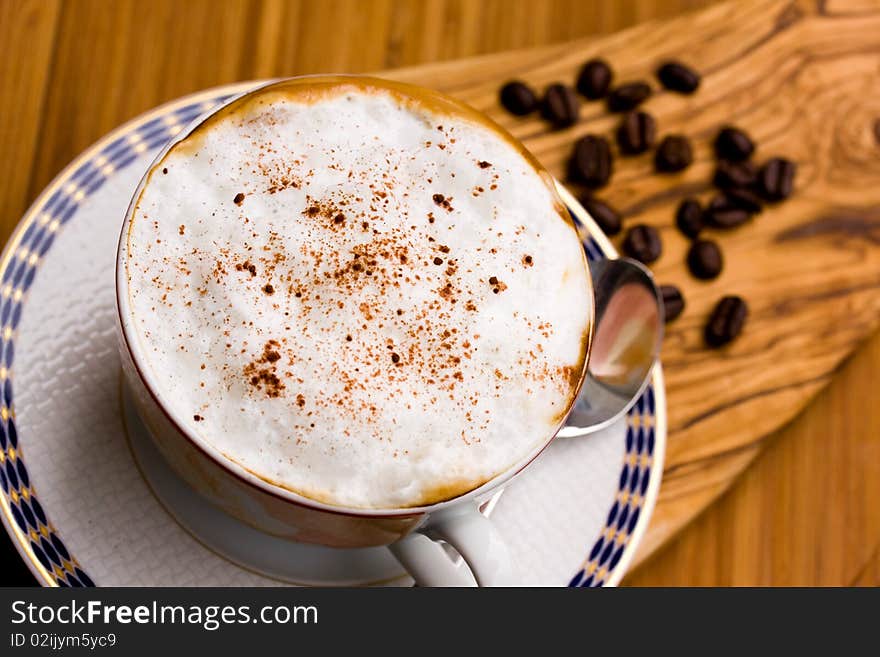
{"points": [[803, 79]]}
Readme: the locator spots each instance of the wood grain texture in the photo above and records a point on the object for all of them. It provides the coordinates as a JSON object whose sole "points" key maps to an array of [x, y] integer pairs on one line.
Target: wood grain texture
{"points": [[802, 79], [25, 27], [817, 524], [803, 83]]}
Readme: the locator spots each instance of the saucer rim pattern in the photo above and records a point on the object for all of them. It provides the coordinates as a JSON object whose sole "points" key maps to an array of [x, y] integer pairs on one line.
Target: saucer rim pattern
{"points": [[39, 542]]}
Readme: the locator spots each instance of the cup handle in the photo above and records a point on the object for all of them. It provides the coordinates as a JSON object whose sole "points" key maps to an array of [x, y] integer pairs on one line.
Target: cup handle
{"points": [[475, 538]]}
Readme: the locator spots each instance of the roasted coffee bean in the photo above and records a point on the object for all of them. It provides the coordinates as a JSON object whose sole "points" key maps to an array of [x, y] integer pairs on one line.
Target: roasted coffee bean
{"points": [[627, 97], [719, 202], [705, 260], [689, 217], [673, 154], [743, 198], [518, 98], [733, 144], [726, 321], [721, 213], [727, 218], [643, 243], [675, 76], [560, 106], [591, 163], [595, 79], [636, 133], [776, 179], [603, 214], [673, 302], [735, 174], [736, 198]]}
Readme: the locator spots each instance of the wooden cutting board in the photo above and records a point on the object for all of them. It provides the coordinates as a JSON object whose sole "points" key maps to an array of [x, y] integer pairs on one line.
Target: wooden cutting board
{"points": [[803, 78]]}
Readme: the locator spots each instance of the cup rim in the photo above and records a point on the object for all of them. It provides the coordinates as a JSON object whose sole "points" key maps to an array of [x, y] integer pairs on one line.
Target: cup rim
{"points": [[131, 343]]}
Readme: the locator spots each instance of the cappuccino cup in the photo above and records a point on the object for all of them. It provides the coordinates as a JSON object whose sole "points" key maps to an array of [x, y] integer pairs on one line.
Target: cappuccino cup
{"points": [[350, 310]]}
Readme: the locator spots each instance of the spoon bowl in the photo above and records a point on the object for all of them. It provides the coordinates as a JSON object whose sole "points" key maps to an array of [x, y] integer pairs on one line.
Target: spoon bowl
{"points": [[626, 344]]}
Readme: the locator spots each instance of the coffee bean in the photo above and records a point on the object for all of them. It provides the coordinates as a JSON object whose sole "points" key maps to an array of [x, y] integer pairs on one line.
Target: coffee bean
{"points": [[776, 179], [643, 243], [689, 217], [603, 214], [719, 202], [721, 213], [591, 163], [735, 174], [705, 260], [744, 198], [736, 198], [594, 79], [673, 154], [673, 302], [560, 105], [518, 98], [733, 144], [726, 321], [636, 133], [675, 76], [627, 97]]}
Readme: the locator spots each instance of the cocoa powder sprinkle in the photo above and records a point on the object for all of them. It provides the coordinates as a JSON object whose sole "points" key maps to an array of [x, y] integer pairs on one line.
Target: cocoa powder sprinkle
{"points": [[246, 266], [262, 373], [443, 202], [357, 274]]}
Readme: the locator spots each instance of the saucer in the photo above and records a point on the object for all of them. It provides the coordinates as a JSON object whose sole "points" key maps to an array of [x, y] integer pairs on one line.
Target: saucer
{"points": [[87, 499]]}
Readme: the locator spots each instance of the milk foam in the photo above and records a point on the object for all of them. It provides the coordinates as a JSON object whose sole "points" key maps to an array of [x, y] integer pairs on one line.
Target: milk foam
{"points": [[363, 297]]}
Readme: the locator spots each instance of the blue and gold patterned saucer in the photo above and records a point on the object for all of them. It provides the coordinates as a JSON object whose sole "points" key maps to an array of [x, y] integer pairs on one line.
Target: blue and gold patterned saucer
{"points": [[72, 494]]}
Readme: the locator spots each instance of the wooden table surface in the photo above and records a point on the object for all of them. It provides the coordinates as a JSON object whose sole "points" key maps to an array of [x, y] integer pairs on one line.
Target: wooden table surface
{"points": [[71, 71]]}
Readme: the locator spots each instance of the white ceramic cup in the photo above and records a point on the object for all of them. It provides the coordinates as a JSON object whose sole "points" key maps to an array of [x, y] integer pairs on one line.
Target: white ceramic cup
{"points": [[411, 533]]}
